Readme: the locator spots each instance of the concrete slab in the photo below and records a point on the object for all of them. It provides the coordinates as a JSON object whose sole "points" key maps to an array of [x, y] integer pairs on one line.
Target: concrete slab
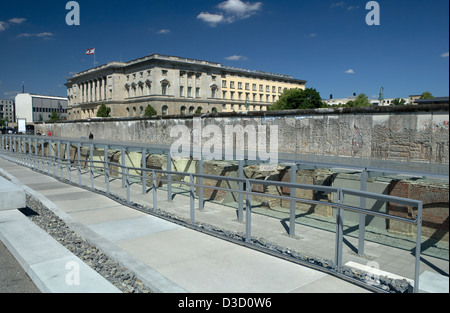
{"points": [[433, 283], [46, 261], [132, 228], [12, 197]]}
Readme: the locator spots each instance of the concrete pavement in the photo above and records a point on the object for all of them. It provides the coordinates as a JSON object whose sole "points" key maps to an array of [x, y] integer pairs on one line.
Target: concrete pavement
{"points": [[173, 259]]}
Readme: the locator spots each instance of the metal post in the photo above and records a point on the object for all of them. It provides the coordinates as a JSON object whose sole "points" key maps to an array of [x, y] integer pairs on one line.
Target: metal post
{"points": [[192, 198], [293, 202], [418, 246], [155, 206], [60, 159], [128, 185], [240, 195], [105, 157], [339, 231], [169, 177], [124, 151], [200, 188], [69, 164], [91, 164], [248, 211], [362, 217], [144, 172], [79, 163]]}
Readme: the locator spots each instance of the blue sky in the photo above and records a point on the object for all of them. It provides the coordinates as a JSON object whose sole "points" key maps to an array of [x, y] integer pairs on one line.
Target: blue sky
{"points": [[326, 42]]}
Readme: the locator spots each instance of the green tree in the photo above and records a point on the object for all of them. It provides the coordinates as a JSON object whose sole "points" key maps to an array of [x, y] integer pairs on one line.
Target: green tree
{"points": [[54, 117], [150, 111], [399, 101], [298, 99], [103, 111], [361, 101], [427, 95]]}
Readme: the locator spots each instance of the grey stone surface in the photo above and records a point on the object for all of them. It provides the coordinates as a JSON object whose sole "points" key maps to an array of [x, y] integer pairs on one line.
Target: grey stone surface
{"points": [[11, 196]]}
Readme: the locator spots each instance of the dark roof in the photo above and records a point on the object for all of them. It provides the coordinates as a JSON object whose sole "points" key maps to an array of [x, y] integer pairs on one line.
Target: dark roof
{"points": [[440, 100]]}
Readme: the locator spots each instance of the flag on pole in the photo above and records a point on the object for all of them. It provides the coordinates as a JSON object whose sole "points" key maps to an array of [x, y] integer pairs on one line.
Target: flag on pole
{"points": [[90, 51]]}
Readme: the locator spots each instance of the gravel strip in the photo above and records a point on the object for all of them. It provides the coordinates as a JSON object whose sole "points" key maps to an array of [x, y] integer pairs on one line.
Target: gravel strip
{"points": [[125, 280]]}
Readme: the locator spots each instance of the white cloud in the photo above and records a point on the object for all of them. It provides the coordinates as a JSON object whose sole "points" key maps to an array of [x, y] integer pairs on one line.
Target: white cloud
{"points": [[3, 26], [164, 31], [231, 11], [349, 71], [313, 35], [11, 94], [444, 55], [239, 8], [45, 35], [236, 58], [337, 4], [212, 19], [17, 20]]}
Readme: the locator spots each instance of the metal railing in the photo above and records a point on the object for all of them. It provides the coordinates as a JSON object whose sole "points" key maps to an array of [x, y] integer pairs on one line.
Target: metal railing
{"points": [[14, 148]]}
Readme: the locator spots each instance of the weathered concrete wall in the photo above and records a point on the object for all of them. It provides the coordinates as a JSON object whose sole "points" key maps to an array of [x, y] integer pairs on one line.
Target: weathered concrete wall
{"points": [[418, 133]]}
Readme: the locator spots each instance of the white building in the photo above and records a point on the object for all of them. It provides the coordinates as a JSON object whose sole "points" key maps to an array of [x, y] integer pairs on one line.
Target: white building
{"points": [[37, 108]]}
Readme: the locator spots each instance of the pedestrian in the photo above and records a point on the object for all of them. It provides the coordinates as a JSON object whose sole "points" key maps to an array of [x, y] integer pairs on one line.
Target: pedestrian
{"points": [[49, 133], [91, 136]]}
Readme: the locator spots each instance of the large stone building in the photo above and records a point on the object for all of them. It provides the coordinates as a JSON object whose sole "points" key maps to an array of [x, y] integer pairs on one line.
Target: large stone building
{"points": [[173, 85]]}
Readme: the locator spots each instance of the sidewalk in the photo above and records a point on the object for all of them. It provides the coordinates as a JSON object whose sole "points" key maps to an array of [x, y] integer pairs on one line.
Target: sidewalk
{"points": [[172, 259]]}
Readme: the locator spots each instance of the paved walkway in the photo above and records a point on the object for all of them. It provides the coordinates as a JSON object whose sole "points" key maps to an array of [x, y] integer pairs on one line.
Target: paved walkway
{"points": [[170, 258]]}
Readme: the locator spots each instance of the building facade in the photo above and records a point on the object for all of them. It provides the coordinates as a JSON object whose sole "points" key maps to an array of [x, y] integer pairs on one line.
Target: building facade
{"points": [[173, 86], [37, 108], [7, 111]]}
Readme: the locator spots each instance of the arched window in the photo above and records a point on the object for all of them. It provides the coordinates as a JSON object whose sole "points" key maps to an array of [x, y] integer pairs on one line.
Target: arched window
{"points": [[183, 110], [165, 84], [191, 110], [214, 110], [164, 110]]}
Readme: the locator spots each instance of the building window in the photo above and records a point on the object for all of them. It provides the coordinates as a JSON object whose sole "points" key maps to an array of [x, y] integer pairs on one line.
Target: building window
{"points": [[232, 85], [164, 72], [197, 92], [254, 87], [213, 92], [189, 92], [239, 85], [164, 89], [247, 86], [181, 91], [191, 110], [164, 110], [183, 110], [224, 84]]}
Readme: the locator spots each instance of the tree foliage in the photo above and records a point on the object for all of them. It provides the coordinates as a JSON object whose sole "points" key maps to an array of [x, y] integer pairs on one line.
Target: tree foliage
{"points": [[150, 111], [298, 99], [399, 101], [103, 111], [426, 95], [361, 101], [54, 117]]}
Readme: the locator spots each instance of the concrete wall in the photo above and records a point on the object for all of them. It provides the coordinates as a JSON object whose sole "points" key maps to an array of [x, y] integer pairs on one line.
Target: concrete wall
{"points": [[416, 133]]}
